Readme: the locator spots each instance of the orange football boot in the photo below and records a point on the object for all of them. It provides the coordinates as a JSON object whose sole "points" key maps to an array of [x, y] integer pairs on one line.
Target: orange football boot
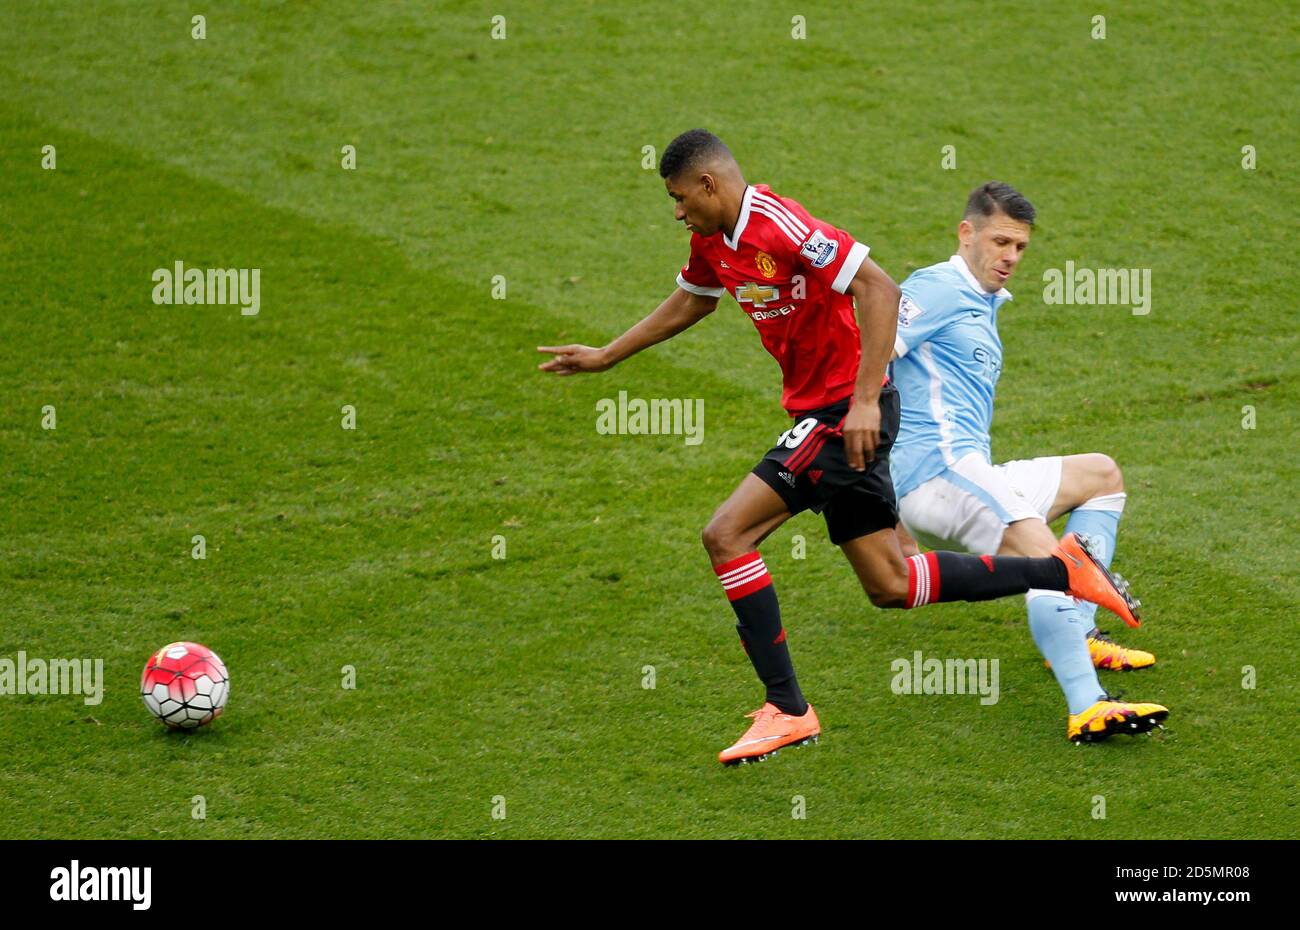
{"points": [[1092, 581], [770, 731]]}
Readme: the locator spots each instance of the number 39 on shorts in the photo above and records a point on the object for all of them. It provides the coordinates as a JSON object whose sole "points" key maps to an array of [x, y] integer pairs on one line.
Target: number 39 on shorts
{"points": [[797, 433]]}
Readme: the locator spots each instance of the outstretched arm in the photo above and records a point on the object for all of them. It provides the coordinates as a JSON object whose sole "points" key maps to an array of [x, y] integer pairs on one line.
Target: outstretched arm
{"points": [[680, 311]]}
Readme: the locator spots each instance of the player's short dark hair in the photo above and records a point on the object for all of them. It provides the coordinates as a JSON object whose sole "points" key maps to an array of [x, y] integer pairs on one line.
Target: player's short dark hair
{"points": [[690, 149], [997, 197]]}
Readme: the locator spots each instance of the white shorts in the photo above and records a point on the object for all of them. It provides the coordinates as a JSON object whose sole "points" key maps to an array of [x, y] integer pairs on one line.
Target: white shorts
{"points": [[968, 506]]}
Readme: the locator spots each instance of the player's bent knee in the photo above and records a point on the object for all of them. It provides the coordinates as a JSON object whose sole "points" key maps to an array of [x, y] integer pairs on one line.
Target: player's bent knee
{"points": [[711, 537], [1108, 477], [889, 601], [719, 541], [887, 592], [1114, 477]]}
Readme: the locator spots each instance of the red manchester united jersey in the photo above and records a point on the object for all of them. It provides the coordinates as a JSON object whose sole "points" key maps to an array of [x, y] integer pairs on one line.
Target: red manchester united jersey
{"points": [[790, 273]]}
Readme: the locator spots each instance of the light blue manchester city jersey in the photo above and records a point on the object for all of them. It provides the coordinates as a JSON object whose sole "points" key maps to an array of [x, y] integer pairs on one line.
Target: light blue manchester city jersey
{"points": [[949, 359]]}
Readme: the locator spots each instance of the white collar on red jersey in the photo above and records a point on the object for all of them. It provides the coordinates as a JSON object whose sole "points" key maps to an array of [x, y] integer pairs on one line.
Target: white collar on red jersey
{"points": [[733, 241], [960, 264]]}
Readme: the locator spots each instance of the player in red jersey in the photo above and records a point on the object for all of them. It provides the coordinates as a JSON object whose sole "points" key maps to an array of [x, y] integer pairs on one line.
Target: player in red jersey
{"points": [[798, 279]]}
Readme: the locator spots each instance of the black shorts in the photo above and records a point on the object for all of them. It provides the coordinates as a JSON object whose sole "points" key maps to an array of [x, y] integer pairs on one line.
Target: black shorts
{"points": [[809, 469]]}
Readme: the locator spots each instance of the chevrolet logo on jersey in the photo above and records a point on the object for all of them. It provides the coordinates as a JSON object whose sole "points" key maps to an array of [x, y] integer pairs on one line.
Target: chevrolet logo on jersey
{"points": [[756, 294]]}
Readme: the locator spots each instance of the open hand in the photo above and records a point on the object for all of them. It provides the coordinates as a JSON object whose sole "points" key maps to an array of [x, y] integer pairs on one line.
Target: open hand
{"points": [[573, 359]]}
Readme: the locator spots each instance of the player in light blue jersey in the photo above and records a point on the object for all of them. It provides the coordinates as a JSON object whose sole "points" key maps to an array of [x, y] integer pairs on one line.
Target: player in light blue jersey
{"points": [[947, 359]]}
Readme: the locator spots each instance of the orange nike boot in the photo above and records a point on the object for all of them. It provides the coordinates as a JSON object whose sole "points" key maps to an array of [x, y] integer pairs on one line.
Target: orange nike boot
{"points": [[1092, 581], [770, 731]]}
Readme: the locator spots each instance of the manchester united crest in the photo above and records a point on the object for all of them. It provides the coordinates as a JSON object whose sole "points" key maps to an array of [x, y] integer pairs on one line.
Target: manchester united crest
{"points": [[766, 266]]}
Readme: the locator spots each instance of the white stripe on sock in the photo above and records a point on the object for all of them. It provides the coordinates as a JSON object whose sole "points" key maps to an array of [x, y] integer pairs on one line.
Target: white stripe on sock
{"points": [[757, 572], [748, 566], [921, 569]]}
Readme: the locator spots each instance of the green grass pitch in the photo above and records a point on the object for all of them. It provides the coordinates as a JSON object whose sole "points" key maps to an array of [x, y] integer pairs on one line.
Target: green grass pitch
{"points": [[521, 678]]}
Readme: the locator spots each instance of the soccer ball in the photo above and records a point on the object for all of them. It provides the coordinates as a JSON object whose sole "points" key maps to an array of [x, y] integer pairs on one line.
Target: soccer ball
{"points": [[185, 685]]}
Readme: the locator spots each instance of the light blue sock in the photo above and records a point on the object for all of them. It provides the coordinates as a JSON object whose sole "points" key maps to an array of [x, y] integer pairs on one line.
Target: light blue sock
{"points": [[1060, 630], [1098, 519]]}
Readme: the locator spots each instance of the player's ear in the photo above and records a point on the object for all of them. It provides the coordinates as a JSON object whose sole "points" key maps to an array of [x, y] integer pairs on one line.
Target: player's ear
{"points": [[709, 184], [966, 232]]}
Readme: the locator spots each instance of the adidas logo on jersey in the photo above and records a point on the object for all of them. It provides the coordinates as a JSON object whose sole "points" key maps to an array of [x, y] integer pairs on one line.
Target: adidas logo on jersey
{"points": [[787, 477]]}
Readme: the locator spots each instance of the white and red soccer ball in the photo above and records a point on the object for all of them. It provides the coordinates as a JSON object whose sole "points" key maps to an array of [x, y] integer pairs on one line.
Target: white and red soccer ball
{"points": [[185, 685]]}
